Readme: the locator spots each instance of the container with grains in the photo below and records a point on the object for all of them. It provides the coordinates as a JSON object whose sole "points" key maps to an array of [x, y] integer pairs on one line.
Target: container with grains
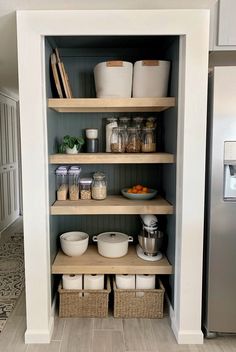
{"points": [[85, 188], [148, 144], [134, 140], [99, 186], [118, 140], [74, 173], [62, 182]]}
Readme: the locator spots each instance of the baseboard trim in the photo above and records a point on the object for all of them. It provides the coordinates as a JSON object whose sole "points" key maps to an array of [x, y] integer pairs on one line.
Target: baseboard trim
{"points": [[42, 336], [183, 337]]}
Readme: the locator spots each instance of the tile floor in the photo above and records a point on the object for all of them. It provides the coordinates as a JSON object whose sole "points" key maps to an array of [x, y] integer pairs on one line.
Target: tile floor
{"points": [[104, 335]]}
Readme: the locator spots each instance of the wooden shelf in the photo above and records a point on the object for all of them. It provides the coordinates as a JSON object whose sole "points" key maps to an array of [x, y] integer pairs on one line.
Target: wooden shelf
{"points": [[93, 263], [111, 205], [112, 158], [111, 105]]}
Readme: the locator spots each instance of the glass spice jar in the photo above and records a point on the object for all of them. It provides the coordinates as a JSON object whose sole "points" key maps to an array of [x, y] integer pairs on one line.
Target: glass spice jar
{"points": [[99, 186], [148, 144], [134, 141], [118, 140]]}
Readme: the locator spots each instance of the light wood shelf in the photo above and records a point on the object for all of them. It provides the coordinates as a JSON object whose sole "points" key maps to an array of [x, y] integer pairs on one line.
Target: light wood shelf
{"points": [[111, 105], [112, 205], [93, 263], [112, 158]]}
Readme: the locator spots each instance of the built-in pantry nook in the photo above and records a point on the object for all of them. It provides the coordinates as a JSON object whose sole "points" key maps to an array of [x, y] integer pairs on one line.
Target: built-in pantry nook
{"points": [[84, 39], [67, 116]]}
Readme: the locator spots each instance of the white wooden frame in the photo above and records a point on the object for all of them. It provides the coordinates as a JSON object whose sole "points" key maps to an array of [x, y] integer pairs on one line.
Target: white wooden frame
{"points": [[193, 28]]}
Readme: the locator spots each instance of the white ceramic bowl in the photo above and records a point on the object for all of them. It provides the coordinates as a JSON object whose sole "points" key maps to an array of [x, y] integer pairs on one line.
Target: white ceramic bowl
{"points": [[74, 243], [91, 133]]}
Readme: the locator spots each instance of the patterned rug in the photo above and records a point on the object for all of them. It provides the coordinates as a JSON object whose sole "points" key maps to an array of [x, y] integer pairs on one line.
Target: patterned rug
{"points": [[11, 274]]}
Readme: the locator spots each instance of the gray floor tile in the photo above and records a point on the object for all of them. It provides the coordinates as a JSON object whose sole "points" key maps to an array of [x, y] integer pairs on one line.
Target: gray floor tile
{"points": [[59, 324], [77, 335], [108, 341], [54, 346], [109, 323]]}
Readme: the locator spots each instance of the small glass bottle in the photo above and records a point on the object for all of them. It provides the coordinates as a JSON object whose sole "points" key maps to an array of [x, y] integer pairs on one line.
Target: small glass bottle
{"points": [[111, 122], [118, 140], [85, 188], [134, 141], [99, 186], [137, 122], [62, 182], [148, 144], [74, 173]]}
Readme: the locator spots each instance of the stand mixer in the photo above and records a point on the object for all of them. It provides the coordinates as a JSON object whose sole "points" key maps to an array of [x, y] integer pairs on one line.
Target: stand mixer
{"points": [[150, 239]]}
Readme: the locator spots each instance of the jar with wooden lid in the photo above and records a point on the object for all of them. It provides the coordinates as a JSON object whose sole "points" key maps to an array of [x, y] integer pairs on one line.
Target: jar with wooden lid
{"points": [[62, 182], [148, 144], [99, 186], [74, 173]]}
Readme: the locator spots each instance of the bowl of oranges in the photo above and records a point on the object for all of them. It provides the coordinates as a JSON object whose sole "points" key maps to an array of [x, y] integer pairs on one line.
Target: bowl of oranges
{"points": [[139, 192]]}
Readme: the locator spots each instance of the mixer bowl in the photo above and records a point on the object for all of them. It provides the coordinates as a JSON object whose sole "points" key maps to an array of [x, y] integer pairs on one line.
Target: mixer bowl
{"points": [[151, 244]]}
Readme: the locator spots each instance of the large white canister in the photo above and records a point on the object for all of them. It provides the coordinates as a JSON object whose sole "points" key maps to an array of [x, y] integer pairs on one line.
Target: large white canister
{"points": [[113, 79], [151, 78]]}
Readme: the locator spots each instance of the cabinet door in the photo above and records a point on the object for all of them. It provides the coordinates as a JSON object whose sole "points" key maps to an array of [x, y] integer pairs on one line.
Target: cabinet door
{"points": [[227, 27], [9, 194]]}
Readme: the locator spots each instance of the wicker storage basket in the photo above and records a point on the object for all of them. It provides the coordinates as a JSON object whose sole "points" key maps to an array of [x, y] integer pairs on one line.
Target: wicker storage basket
{"points": [[128, 305], [94, 305]]}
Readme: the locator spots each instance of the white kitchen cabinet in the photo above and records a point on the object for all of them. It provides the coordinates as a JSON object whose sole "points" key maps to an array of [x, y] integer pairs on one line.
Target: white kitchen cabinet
{"points": [[187, 30], [9, 195], [227, 25]]}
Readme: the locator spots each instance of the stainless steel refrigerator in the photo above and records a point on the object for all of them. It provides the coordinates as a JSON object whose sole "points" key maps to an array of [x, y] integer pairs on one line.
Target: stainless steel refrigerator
{"points": [[219, 295]]}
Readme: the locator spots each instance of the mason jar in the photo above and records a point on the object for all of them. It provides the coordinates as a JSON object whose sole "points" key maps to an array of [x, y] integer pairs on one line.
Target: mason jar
{"points": [[118, 140], [99, 186]]}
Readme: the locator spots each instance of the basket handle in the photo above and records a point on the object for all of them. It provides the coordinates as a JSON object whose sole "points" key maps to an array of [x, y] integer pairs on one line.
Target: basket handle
{"points": [[130, 239], [95, 238]]}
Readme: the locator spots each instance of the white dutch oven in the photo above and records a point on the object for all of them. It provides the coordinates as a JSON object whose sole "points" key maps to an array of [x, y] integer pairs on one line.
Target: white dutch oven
{"points": [[112, 244]]}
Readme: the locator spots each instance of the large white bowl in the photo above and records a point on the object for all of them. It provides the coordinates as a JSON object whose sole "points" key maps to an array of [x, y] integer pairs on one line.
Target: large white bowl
{"points": [[74, 243]]}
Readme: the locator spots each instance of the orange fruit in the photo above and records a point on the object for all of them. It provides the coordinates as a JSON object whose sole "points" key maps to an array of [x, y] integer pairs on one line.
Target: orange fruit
{"points": [[134, 191], [139, 187], [129, 190], [145, 189]]}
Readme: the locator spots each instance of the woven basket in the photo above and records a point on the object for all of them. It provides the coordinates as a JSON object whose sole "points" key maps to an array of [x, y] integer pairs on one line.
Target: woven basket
{"points": [[72, 303], [128, 305]]}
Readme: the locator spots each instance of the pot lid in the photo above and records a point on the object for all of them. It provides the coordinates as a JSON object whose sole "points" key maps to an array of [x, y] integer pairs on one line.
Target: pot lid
{"points": [[113, 237]]}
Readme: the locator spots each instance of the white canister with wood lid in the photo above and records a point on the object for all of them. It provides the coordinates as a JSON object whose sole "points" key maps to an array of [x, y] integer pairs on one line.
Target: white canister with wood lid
{"points": [[113, 79], [151, 78]]}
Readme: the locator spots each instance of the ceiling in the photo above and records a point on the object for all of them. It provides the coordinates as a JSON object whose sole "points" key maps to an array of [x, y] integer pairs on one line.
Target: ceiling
{"points": [[8, 39]]}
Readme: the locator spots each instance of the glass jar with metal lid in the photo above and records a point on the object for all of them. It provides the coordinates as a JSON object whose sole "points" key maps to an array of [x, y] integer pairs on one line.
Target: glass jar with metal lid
{"points": [[118, 140], [99, 186], [134, 141], [74, 173]]}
